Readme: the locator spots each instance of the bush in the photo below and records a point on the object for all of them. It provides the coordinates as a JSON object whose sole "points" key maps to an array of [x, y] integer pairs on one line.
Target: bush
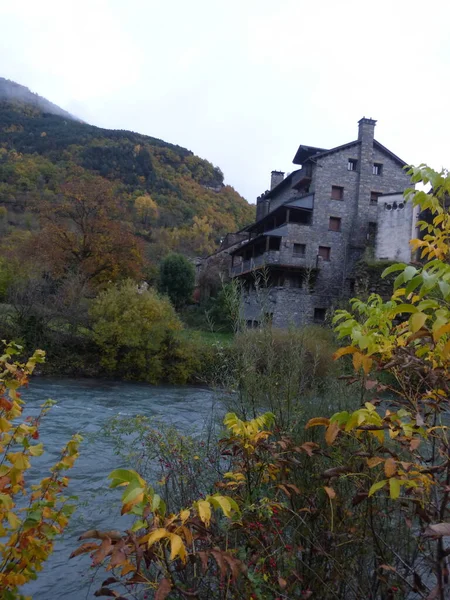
{"points": [[131, 327], [30, 516]]}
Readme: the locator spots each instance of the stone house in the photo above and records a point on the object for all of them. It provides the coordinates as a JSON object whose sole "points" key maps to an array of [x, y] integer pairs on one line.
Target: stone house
{"points": [[314, 225]]}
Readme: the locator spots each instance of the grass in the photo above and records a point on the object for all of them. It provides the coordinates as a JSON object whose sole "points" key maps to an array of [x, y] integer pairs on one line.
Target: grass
{"points": [[208, 337]]}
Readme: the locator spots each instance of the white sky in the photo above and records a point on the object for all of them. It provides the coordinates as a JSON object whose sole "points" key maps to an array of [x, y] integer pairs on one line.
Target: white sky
{"points": [[242, 83]]}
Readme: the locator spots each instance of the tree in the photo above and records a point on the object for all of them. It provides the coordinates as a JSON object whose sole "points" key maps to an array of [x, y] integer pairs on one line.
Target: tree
{"points": [[130, 326], [176, 279], [83, 234], [146, 209]]}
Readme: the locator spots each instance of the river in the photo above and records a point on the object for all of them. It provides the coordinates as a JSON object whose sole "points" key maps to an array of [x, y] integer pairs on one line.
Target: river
{"points": [[84, 406]]}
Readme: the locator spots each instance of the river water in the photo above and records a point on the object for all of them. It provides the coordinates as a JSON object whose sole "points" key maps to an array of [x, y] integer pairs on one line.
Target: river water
{"points": [[84, 406]]}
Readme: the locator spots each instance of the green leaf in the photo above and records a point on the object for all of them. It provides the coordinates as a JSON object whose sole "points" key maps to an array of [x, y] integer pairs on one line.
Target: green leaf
{"points": [[122, 476], [409, 273], [393, 268], [417, 321], [394, 488], [445, 288], [404, 308], [399, 280], [377, 486], [415, 282]]}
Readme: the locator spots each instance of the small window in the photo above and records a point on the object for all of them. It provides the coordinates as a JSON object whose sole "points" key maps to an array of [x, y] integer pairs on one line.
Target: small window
{"points": [[319, 314], [337, 192], [374, 197], [296, 281], [377, 168], [351, 165], [334, 224], [325, 252], [299, 249]]}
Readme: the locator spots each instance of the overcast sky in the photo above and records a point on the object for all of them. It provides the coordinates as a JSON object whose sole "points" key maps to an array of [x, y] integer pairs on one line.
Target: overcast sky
{"points": [[242, 83]]}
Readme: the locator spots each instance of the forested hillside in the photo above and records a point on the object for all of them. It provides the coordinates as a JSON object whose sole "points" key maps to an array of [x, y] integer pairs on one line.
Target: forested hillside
{"points": [[169, 198]]}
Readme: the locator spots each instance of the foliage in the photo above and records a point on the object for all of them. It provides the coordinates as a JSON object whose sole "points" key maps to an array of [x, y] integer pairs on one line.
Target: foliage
{"points": [[83, 234], [130, 326], [41, 149], [30, 519], [176, 279]]}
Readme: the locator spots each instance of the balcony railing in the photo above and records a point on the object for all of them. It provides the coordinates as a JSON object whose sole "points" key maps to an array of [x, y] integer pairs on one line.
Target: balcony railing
{"points": [[268, 258]]}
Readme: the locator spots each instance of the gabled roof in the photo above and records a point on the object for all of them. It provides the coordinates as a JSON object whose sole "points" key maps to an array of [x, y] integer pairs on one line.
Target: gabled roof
{"points": [[389, 153], [305, 152], [302, 155]]}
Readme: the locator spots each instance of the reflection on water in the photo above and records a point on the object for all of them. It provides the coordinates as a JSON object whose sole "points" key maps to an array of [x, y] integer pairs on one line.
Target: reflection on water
{"points": [[83, 406]]}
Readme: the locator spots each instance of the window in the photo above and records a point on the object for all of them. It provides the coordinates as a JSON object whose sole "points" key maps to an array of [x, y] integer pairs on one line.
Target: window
{"points": [[337, 192], [299, 249], [334, 224], [351, 165], [377, 169], [319, 314], [325, 252], [374, 197], [296, 281]]}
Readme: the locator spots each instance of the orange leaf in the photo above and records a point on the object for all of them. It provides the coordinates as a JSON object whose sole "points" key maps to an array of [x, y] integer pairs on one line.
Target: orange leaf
{"points": [[331, 433], [330, 492], [87, 547], [317, 421], [163, 589], [390, 467], [374, 461], [343, 351]]}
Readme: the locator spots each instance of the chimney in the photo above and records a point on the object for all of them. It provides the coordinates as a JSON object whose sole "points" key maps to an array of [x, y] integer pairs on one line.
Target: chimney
{"points": [[276, 178], [366, 130]]}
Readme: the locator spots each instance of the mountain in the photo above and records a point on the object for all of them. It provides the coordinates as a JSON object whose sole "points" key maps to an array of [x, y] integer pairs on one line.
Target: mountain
{"points": [[10, 91], [42, 146]]}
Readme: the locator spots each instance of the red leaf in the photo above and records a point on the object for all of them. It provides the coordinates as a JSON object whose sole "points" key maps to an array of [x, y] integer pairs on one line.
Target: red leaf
{"points": [[87, 547], [163, 590], [100, 555]]}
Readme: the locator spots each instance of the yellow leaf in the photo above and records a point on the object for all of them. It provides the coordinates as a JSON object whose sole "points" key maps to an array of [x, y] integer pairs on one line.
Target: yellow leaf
{"points": [[13, 520], [157, 535], [36, 450], [416, 321], [222, 502], [374, 461], [366, 364], [19, 460], [204, 511], [317, 421], [184, 515], [441, 331], [5, 425], [177, 547]]}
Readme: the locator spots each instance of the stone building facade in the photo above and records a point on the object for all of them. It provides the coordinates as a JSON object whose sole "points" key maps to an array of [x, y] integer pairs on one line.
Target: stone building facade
{"points": [[314, 225]]}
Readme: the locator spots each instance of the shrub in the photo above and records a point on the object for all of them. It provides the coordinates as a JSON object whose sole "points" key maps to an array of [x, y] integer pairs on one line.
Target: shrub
{"points": [[30, 516], [131, 327]]}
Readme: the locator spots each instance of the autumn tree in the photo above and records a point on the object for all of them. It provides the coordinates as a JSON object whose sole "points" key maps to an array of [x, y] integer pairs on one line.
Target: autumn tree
{"points": [[83, 234], [146, 209], [176, 279]]}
